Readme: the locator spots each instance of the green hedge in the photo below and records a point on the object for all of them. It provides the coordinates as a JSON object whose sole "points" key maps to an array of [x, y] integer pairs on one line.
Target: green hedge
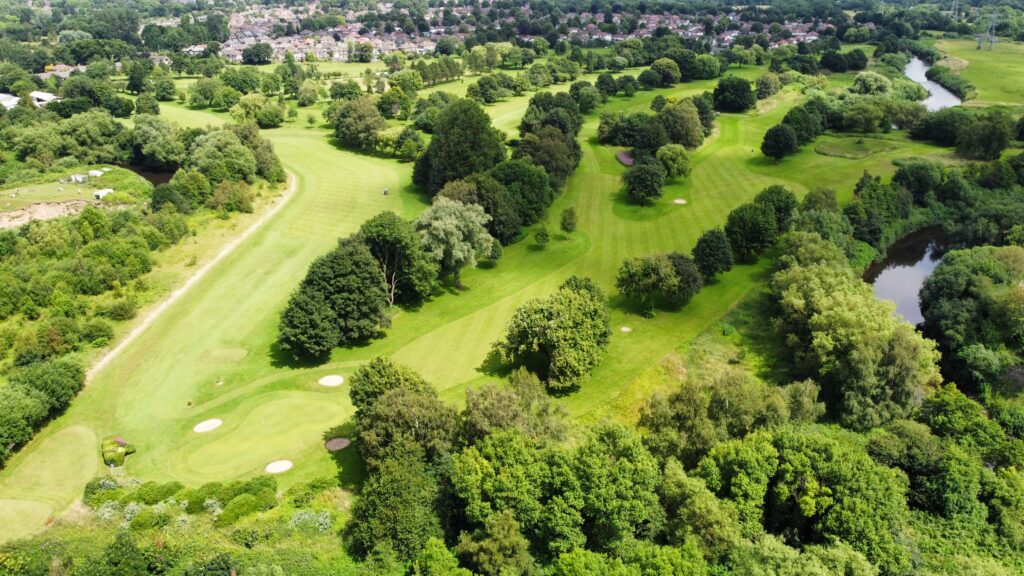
{"points": [[951, 81]]}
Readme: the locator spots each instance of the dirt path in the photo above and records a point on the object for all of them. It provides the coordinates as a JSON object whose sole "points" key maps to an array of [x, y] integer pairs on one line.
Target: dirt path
{"points": [[151, 315]]}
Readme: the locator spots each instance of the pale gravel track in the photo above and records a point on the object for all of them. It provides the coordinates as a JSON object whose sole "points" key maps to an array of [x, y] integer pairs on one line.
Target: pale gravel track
{"points": [[151, 316]]}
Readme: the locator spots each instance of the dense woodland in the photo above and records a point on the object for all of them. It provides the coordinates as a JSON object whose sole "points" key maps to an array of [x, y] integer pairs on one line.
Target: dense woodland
{"points": [[855, 444]]}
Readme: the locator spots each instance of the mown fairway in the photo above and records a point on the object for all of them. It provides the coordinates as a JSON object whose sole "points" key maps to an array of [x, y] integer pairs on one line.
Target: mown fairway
{"points": [[995, 73], [212, 354]]}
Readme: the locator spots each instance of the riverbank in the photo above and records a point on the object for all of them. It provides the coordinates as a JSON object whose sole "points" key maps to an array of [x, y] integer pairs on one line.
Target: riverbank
{"points": [[939, 96]]}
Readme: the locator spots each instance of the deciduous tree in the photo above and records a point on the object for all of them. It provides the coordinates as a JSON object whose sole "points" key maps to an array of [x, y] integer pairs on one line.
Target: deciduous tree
{"points": [[713, 253], [357, 122], [561, 336], [733, 94], [453, 234], [464, 143], [409, 272]]}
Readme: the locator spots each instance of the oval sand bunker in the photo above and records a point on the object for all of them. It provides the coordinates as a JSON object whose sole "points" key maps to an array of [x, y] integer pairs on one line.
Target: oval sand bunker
{"points": [[335, 444], [278, 466], [625, 329], [332, 380], [679, 201], [207, 425]]}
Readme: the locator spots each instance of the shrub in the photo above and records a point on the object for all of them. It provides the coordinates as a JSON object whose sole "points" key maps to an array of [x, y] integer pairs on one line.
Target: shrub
{"points": [[101, 489], [148, 518], [313, 521], [249, 536], [542, 237], [951, 81], [256, 486], [568, 220], [97, 332], [244, 505], [154, 492], [197, 497], [115, 450], [302, 494]]}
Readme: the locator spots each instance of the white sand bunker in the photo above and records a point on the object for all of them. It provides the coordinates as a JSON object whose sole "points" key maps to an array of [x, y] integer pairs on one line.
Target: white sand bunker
{"points": [[335, 444], [278, 466], [679, 201], [207, 425], [332, 380], [625, 329]]}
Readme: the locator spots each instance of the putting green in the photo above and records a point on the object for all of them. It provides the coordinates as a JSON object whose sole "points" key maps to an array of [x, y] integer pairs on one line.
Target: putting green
{"points": [[277, 424], [212, 355]]}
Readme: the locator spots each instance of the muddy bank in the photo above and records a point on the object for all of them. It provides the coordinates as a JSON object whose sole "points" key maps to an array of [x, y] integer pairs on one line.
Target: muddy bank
{"points": [[49, 211]]}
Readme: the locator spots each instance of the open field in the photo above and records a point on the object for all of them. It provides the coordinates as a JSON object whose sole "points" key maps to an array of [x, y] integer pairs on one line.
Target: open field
{"points": [[24, 195], [998, 74], [50, 189], [212, 355]]}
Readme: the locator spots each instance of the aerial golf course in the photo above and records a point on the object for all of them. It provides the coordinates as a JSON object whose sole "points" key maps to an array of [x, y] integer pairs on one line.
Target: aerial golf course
{"points": [[211, 355]]}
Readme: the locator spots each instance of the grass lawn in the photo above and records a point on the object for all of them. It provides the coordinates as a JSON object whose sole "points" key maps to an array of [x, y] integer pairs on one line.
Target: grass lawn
{"points": [[212, 355], [998, 74], [868, 49], [48, 188], [23, 195], [852, 147]]}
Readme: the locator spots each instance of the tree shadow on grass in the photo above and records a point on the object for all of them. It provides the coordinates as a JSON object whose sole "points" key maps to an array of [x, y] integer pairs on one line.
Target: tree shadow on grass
{"points": [[638, 308], [281, 358], [494, 366], [335, 143], [351, 469], [761, 161], [447, 285], [625, 208], [562, 392], [413, 190]]}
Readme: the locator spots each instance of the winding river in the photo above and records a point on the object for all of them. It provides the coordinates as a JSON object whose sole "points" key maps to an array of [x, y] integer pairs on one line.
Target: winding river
{"points": [[910, 261], [938, 97]]}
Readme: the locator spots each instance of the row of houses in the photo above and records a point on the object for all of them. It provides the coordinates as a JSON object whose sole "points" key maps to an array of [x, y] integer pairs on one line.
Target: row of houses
{"points": [[256, 25], [333, 44]]}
